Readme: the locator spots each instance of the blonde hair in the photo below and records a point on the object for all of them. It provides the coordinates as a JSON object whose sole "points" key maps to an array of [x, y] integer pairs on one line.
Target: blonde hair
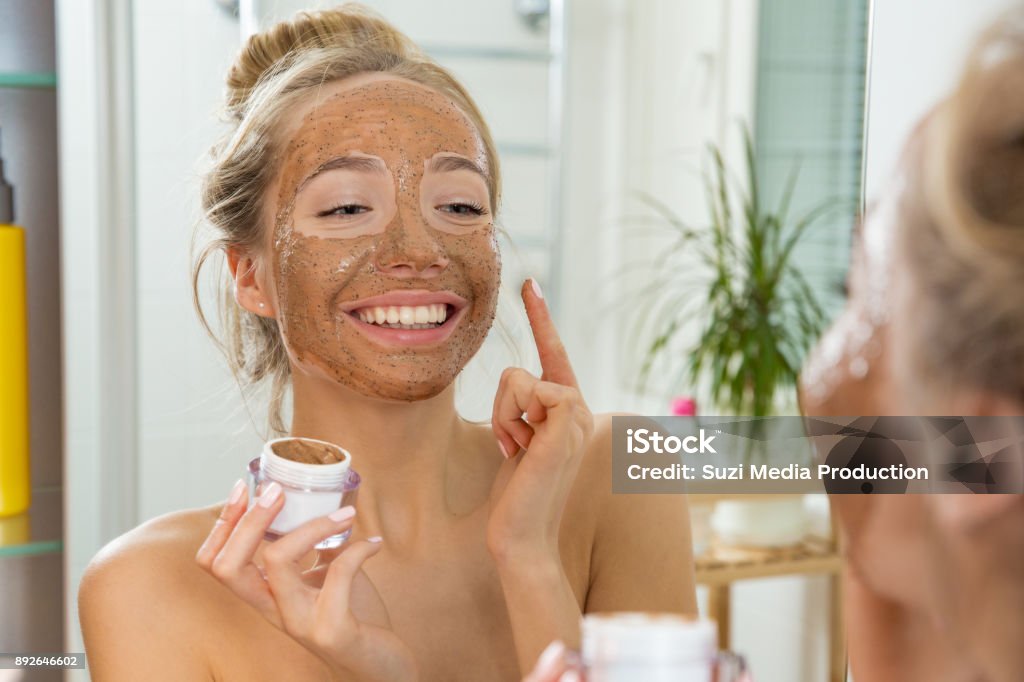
{"points": [[275, 70], [964, 224]]}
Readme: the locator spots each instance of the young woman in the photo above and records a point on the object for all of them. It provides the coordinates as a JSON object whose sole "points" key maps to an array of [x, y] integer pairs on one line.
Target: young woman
{"points": [[935, 326], [354, 199]]}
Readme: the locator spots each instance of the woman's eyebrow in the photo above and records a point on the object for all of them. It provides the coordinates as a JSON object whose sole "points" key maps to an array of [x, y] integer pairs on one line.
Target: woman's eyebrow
{"points": [[453, 162], [359, 163], [366, 164]]}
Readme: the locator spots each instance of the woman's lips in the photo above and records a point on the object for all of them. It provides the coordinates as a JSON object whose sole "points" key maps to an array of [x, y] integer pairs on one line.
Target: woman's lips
{"points": [[441, 304]]}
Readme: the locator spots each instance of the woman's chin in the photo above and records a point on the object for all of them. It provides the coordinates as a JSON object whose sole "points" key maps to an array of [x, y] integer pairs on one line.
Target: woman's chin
{"points": [[379, 386], [400, 394]]}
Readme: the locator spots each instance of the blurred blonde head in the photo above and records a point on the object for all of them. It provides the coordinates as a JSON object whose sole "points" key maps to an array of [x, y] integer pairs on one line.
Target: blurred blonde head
{"points": [[963, 228]]}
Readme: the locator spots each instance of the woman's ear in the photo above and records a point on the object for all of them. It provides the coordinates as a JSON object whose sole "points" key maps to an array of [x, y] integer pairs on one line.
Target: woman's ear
{"points": [[250, 293]]}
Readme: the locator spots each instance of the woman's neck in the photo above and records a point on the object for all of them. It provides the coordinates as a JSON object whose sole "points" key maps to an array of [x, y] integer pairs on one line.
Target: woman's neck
{"points": [[402, 450]]}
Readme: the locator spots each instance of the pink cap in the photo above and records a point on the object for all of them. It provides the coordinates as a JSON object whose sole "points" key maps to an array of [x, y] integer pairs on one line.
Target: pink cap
{"points": [[683, 406]]}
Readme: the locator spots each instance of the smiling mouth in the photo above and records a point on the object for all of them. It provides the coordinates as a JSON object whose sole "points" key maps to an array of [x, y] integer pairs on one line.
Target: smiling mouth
{"points": [[429, 316], [411, 317]]}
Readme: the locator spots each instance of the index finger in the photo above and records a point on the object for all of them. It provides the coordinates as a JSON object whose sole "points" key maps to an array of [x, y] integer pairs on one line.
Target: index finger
{"points": [[554, 361]]}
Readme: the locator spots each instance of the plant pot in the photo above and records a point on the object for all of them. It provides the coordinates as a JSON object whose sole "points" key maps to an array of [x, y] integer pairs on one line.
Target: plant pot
{"points": [[764, 523]]}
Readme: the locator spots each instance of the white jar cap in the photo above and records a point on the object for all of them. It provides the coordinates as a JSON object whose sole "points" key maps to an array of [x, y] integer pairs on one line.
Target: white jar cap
{"points": [[302, 475], [648, 638]]}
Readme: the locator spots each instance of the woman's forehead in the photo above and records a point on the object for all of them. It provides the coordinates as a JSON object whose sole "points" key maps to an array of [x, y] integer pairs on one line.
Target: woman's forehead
{"points": [[381, 105]]}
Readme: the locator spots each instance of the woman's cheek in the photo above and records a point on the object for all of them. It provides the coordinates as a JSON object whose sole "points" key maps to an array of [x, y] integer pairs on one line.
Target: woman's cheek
{"points": [[310, 272], [485, 273]]}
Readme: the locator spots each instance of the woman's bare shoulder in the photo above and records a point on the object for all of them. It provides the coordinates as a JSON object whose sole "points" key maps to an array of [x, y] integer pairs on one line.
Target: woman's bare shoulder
{"points": [[611, 513], [630, 534], [140, 596], [594, 480], [170, 540]]}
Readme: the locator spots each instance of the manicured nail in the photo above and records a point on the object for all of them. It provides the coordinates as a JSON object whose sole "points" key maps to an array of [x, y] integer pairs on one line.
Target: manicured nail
{"points": [[504, 452], [375, 538], [549, 659], [536, 288], [270, 495], [343, 514], [237, 492]]}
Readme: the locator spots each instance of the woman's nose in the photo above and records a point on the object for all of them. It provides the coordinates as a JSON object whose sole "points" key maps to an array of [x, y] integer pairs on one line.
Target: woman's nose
{"points": [[410, 250]]}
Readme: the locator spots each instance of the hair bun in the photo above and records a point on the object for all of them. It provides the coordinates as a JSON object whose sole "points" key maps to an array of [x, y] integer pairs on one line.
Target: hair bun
{"points": [[350, 25]]}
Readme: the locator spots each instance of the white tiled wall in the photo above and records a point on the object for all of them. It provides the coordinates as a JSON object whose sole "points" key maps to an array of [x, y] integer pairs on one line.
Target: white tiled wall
{"points": [[194, 437]]}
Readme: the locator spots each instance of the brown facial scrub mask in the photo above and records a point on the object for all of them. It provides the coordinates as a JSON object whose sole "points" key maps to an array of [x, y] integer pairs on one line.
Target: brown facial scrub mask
{"points": [[383, 192], [308, 451]]}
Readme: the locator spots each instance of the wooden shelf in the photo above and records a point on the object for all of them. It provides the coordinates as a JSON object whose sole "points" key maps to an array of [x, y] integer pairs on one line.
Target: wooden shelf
{"points": [[722, 565], [712, 498]]}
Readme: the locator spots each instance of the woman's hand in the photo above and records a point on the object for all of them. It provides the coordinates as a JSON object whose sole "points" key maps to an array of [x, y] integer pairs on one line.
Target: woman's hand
{"points": [[547, 419], [557, 664], [542, 426], [312, 607]]}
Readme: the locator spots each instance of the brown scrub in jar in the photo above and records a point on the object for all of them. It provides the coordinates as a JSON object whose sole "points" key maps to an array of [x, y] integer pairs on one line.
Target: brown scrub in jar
{"points": [[307, 451], [384, 191]]}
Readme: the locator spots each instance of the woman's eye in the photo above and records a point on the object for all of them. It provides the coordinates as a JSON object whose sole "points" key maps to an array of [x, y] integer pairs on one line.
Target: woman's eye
{"points": [[462, 210], [344, 210]]}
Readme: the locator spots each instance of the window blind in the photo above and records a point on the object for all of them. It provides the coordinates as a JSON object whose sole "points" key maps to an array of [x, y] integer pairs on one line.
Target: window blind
{"points": [[812, 57]]}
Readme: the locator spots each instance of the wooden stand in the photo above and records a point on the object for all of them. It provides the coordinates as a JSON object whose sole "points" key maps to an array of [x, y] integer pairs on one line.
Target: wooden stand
{"points": [[721, 566]]}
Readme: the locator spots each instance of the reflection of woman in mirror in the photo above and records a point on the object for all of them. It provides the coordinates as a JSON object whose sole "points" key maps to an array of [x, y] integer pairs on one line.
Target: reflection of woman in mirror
{"points": [[935, 326], [354, 198]]}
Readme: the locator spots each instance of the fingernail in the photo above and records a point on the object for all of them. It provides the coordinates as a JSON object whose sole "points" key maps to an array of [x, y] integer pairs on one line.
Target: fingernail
{"points": [[504, 452], [549, 658], [343, 514], [237, 492], [375, 538], [569, 676], [270, 495], [536, 288]]}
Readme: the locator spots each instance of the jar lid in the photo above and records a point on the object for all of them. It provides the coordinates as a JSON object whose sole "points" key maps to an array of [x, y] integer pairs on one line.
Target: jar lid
{"points": [[647, 637], [302, 475]]}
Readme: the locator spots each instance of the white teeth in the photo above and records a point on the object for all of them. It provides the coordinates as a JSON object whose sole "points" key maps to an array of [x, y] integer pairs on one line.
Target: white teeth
{"points": [[405, 317], [409, 326]]}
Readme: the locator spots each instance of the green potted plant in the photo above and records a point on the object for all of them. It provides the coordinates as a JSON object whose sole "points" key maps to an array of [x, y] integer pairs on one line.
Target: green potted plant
{"points": [[756, 315]]}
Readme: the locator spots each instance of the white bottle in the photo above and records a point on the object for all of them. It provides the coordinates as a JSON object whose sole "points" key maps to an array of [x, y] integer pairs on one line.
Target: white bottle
{"points": [[628, 647]]}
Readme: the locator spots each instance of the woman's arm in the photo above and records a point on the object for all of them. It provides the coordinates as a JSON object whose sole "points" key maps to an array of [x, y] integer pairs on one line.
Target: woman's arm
{"points": [[133, 626], [544, 428], [642, 556], [541, 605]]}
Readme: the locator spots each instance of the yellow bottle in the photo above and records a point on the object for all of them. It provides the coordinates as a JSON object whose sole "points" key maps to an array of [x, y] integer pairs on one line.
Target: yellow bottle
{"points": [[14, 455]]}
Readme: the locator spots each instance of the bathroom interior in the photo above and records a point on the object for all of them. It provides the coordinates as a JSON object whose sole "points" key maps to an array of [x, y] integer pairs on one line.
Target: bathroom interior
{"points": [[605, 113]]}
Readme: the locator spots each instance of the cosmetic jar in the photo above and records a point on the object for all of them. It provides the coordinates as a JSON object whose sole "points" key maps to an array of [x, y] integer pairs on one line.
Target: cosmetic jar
{"points": [[310, 490], [655, 647]]}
